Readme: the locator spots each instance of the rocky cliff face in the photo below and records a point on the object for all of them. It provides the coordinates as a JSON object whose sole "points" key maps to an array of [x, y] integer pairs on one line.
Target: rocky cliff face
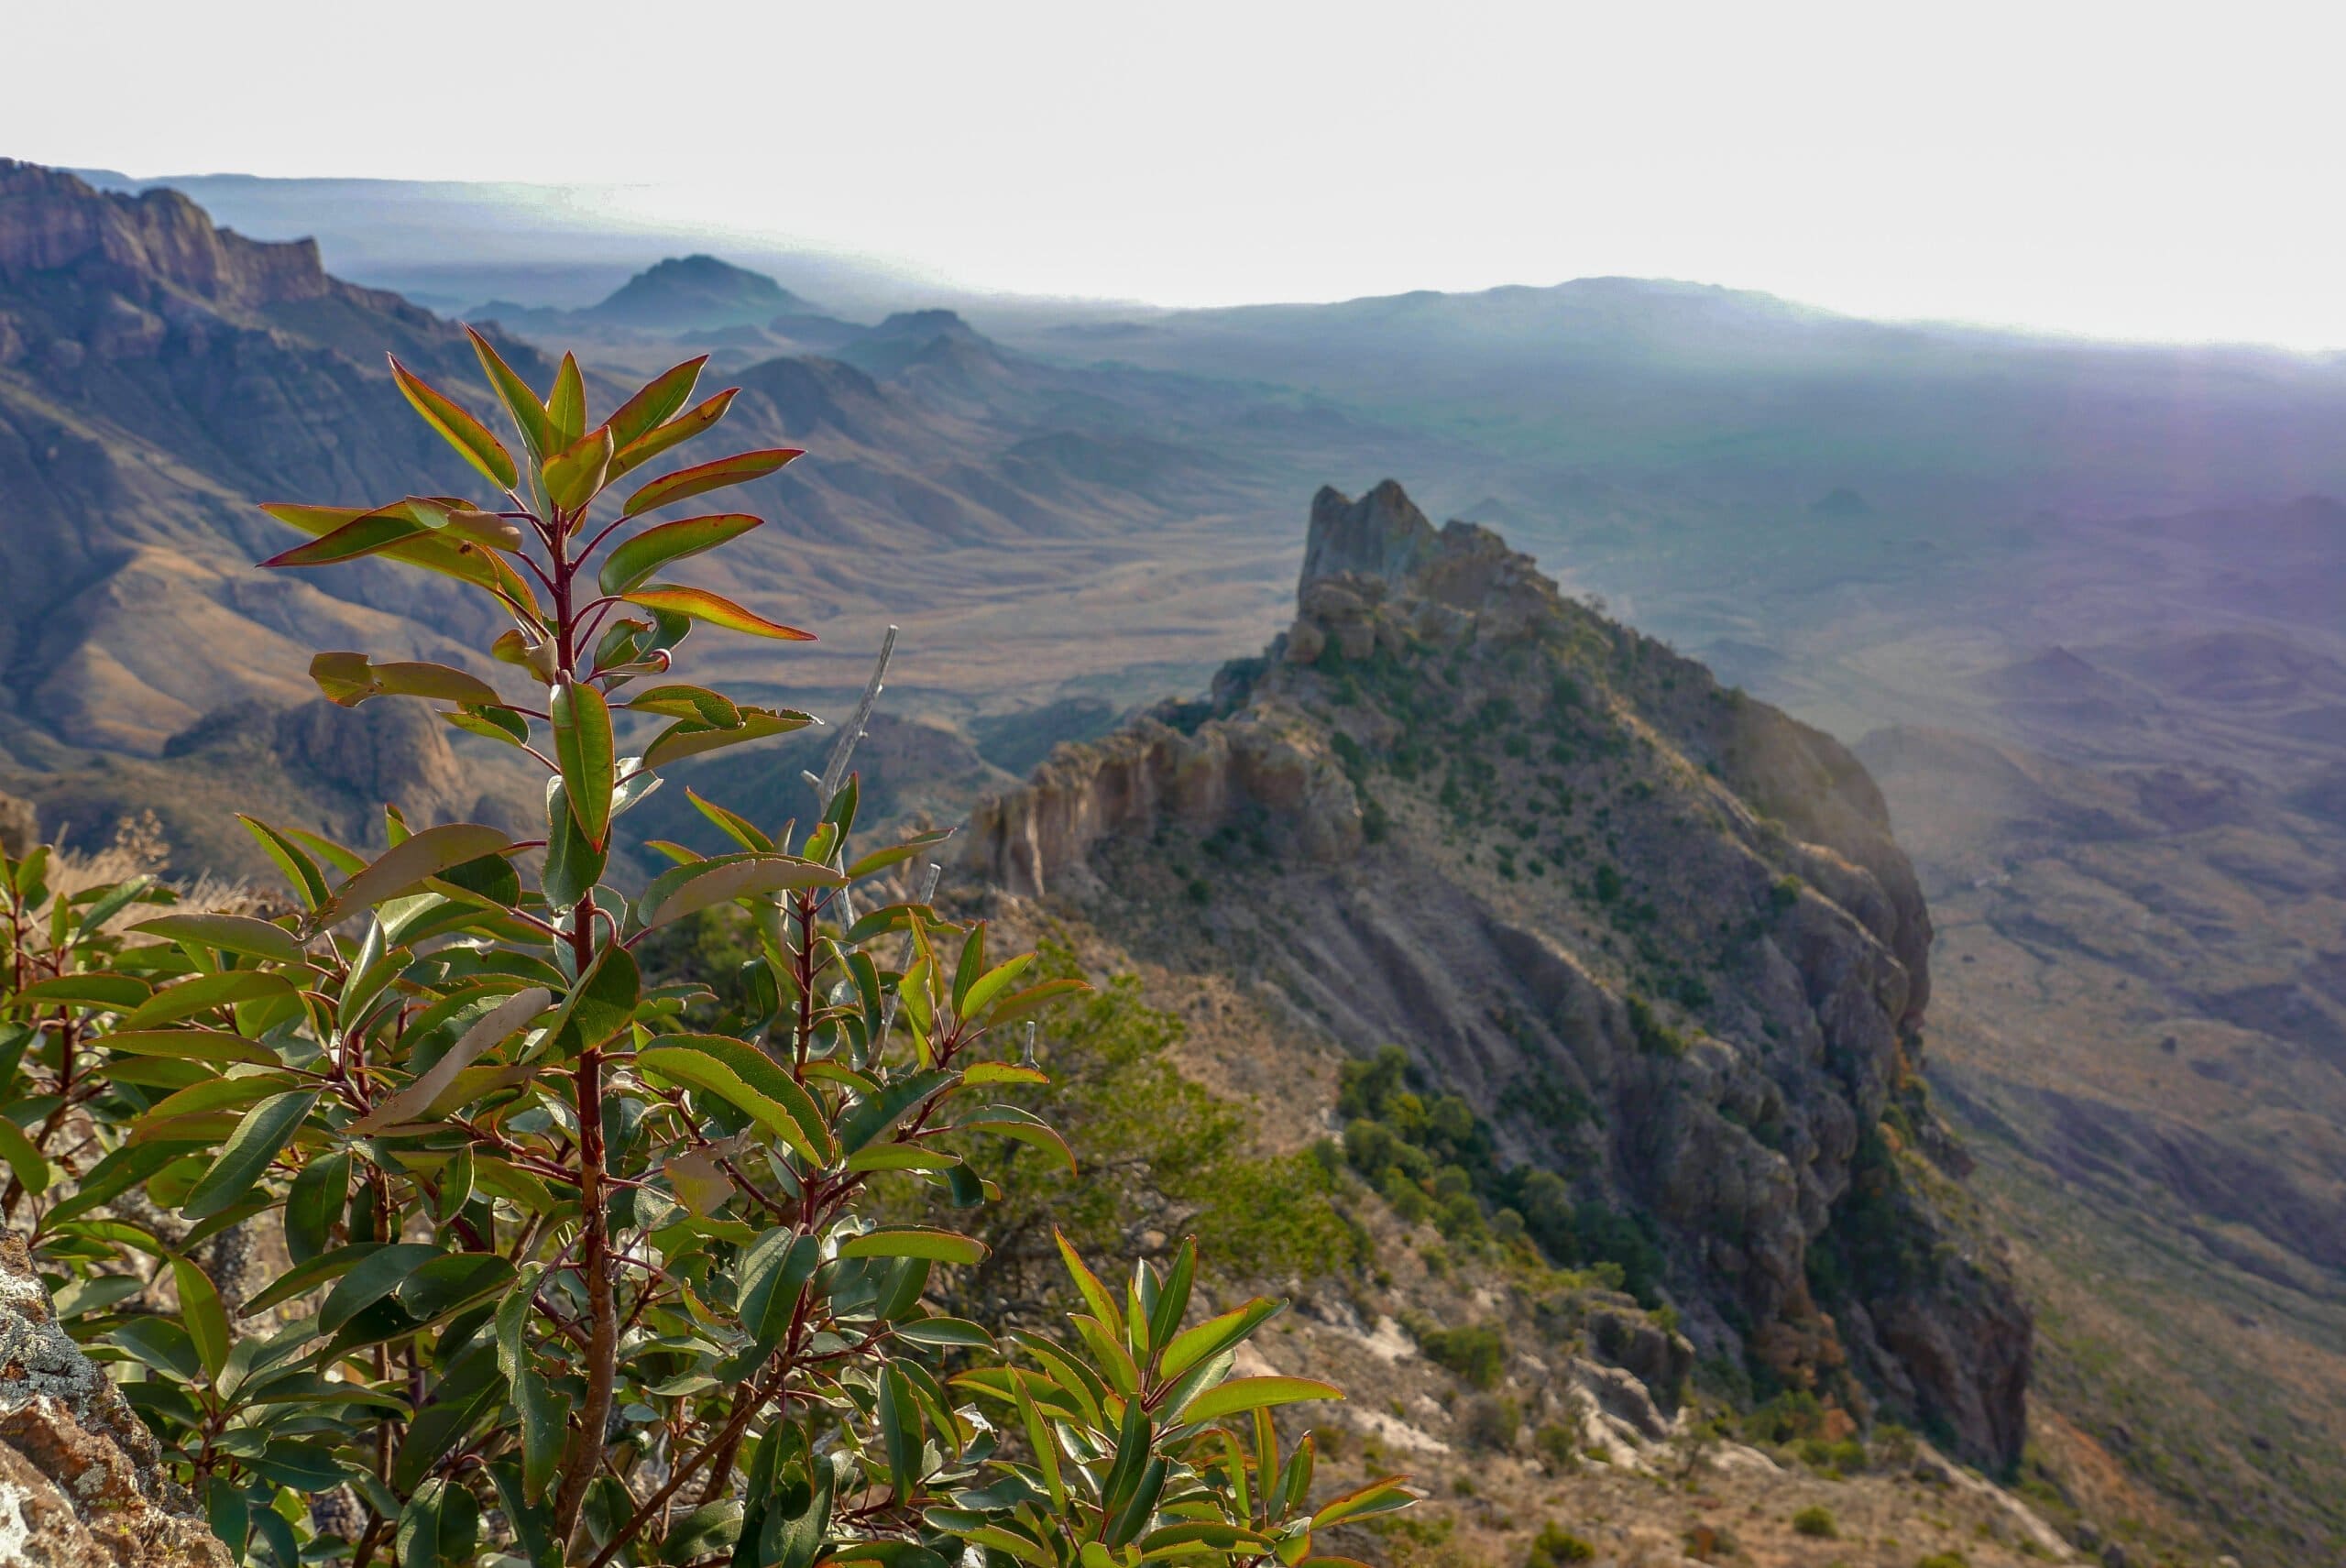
{"points": [[1659, 935]]}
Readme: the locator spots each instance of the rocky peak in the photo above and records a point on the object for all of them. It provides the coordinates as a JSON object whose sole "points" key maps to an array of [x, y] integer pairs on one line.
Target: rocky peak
{"points": [[1381, 535], [52, 220], [1657, 933]]}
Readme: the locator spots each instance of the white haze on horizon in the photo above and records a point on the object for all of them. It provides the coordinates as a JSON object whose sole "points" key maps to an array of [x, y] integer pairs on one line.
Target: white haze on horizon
{"points": [[2118, 171]]}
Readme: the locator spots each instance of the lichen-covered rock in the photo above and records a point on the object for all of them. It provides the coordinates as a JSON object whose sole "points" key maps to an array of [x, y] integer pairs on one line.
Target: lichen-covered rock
{"points": [[81, 1478]]}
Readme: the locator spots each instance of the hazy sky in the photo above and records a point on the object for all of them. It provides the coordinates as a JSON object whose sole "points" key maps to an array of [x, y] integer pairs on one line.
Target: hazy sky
{"points": [[2122, 170]]}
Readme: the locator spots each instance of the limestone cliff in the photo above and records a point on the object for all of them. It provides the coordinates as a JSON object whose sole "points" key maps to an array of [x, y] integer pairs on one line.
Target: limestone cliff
{"points": [[1658, 934]]}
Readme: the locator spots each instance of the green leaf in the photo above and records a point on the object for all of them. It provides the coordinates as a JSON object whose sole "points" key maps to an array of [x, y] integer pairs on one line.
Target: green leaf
{"points": [[938, 1246], [308, 1274], [1253, 1394], [160, 1343], [876, 1113], [690, 737], [452, 1281], [440, 1527], [394, 530], [699, 604], [600, 1004], [974, 1002], [544, 1413], [573, 865], [414, 1102], [31, 1169], [674, 433], [774, 1273], [313, 1203], [260, 1138], [702, 477], [578, 470], [720, 879], [200, 1310], [1087, 1284], [91, 988], [697, 1069], [1379, 1497], [900, 1432], [583, 744], [300, 869], [1213, 1336], [375, 1277], [645, 554], [190, 1045], [1173, 1296], [203, 993], [696, 703], [566, 406], [115, 900], [348, 679], [957, 1334], [660, 397], [529, 415], [404, 868], [466, 433], [761, 1073], [239, 934]]}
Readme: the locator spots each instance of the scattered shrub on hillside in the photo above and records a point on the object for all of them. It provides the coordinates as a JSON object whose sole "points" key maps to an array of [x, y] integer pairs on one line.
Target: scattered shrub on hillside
{"points": [[1558, 1447], [1476, 1355], [1555, 1546], [1816, 1520], [1491, 1421]]}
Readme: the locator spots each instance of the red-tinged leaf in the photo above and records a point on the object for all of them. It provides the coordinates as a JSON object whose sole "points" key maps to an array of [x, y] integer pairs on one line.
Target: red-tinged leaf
{"points": [[529, 414], [583, 744], [737, 469], [566, 406], [576, 472], [675, 432], [660, 397], [702, 605], [363, 533], [645, 554], [418, 547], [467, 435]]}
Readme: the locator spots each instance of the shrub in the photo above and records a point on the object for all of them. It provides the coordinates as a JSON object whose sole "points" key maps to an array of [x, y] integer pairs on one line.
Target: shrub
{"points": [[1490, 1421], [1477, 1355], [1558, 1448], [1815, 1521], [1554, 1545], [570, 1282]]}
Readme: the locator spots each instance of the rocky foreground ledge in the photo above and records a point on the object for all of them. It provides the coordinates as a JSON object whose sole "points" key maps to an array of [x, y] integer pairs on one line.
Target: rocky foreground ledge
{"points": [[81, 1479]]}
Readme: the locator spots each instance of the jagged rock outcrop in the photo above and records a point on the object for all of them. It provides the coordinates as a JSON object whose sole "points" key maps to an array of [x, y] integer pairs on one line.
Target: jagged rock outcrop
{"points": [[81, 1479], [1659, 935]]}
